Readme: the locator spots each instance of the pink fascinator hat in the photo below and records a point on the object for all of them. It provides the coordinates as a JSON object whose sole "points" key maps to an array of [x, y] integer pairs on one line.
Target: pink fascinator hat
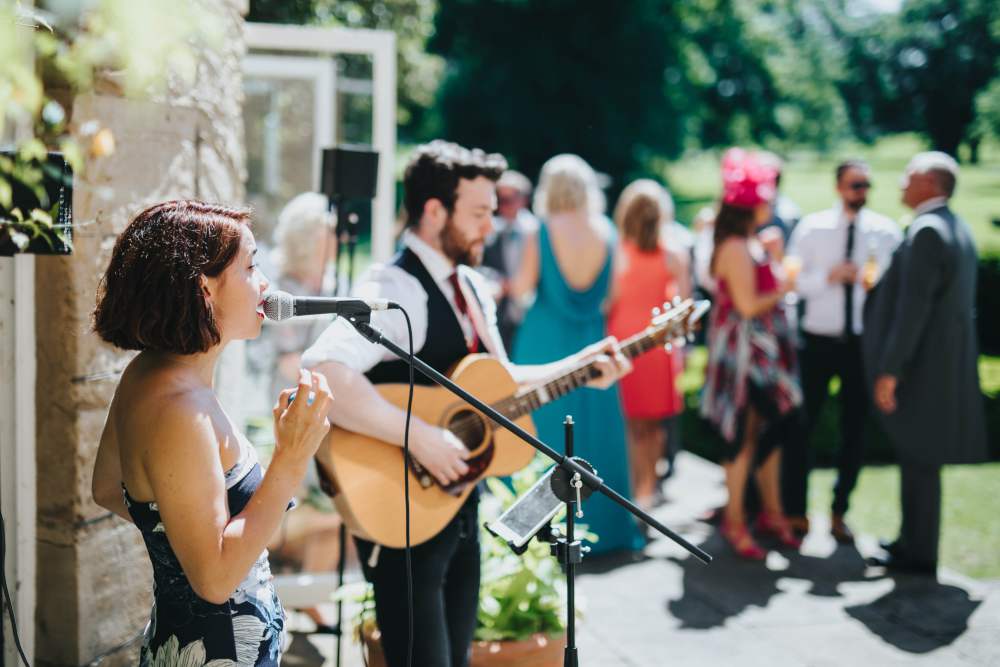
{"points": [[747, 178]]}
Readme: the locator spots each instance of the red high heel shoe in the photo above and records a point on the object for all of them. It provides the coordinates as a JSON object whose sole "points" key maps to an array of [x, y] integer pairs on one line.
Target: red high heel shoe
{"points": [[740, 540], [778, 526]]}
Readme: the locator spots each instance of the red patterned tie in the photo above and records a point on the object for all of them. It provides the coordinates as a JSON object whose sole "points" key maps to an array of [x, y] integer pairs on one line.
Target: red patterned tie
{"points": [[463, 307]]}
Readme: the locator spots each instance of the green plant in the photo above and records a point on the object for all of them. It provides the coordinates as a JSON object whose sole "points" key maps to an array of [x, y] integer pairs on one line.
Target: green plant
{"points": [[519, 596]]}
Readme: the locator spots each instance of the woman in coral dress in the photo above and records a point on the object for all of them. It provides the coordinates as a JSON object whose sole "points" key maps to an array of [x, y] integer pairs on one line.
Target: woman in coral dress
{"points": [[647, 273]]}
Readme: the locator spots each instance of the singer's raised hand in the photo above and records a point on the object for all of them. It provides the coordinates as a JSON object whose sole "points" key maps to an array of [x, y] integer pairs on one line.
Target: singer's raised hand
{"points": [[300, 426]]}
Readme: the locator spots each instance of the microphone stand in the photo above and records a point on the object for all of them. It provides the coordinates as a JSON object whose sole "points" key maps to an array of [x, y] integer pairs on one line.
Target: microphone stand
{"points": [[341, 233], [346, 234], [568, 550], [339, 238]]}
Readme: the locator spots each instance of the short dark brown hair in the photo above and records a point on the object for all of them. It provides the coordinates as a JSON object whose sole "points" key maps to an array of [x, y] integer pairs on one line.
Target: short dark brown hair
{"points": [[151, 297], [434, 170], [853, 163]]}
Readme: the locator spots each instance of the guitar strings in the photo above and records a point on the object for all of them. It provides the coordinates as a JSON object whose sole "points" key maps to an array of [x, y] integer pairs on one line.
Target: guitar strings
{"points": [[469, 424]]}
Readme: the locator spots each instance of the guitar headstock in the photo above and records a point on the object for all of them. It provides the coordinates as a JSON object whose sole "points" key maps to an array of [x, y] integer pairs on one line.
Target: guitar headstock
{"points": [[676, 320]]}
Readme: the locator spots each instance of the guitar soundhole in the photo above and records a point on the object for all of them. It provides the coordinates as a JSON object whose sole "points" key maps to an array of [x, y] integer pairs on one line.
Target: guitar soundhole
{"points": [[470, 428]]}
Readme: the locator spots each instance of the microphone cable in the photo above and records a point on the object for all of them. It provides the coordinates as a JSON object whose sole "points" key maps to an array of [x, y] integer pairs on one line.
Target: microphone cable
{"points": [[406, 495], [6, 593]]}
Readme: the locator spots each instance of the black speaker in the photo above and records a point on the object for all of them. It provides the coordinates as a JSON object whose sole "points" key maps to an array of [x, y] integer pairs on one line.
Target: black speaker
{"points": [[348, 172], [55, 197]]}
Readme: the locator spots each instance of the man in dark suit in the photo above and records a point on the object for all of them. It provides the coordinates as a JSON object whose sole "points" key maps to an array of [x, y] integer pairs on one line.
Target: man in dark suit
{"points": [[921, 357]]}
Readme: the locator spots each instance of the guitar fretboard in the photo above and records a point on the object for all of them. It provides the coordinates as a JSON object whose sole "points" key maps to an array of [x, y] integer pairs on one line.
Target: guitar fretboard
{"points": [[530, 400]]}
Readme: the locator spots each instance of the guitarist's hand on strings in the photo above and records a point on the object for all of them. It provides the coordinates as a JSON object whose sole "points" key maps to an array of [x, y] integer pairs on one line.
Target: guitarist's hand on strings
{"points": [[300, 426], [611, 363], [440, 452]]}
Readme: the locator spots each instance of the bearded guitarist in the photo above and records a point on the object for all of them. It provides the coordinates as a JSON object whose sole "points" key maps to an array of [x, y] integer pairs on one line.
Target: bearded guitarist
{"points": [[449, 198]]}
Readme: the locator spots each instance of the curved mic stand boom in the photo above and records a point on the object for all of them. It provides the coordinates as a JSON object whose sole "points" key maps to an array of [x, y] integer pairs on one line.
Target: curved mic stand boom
{"points": [[579, 473]]}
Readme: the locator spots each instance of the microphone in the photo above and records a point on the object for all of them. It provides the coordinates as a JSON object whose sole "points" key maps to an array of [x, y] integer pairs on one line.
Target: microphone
{"points": [[280, 306]]}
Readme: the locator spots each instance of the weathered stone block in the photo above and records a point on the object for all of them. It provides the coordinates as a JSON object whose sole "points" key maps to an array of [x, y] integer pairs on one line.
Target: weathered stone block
{"points": [[57, 619], [115, 584]]}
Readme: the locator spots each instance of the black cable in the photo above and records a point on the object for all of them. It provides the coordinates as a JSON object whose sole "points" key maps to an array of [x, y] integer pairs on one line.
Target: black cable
{"points": [[3, 565], [406, 497]]}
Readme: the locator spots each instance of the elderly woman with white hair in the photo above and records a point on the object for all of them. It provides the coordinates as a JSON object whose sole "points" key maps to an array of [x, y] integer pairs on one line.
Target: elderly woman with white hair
{"points": [[567, 263], [303, 245], [302, 254]]}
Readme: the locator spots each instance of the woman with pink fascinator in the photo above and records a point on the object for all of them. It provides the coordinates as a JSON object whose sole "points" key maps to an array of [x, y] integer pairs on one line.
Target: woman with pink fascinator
{"points": [[751, 392]]}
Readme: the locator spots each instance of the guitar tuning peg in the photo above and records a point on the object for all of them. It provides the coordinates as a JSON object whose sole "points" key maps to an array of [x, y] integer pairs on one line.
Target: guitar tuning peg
{"points": [[656, 311], [676, 300]]}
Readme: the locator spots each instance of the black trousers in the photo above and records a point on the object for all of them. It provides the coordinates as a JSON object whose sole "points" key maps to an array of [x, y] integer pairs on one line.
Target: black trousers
{"points": [[445, 593], [824, 357], [920, 496]]}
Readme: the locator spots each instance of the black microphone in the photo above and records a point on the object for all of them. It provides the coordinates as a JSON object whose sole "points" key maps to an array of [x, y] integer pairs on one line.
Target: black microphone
{"points": [[280, 306]]}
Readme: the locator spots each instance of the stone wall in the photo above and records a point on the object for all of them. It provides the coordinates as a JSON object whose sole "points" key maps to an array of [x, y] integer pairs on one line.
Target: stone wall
{"points": [[94, 581]]}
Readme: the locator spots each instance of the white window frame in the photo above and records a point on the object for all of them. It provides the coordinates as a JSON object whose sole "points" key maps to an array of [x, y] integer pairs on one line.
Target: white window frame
{"points": [[380, 45], [322, 74]]}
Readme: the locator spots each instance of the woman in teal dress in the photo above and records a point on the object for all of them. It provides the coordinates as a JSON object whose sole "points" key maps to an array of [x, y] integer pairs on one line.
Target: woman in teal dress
{"points": [[568, 265]]}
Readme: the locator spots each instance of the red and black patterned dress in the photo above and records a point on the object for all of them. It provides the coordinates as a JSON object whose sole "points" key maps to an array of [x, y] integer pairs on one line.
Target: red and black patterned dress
{"points": [[754, 356]]}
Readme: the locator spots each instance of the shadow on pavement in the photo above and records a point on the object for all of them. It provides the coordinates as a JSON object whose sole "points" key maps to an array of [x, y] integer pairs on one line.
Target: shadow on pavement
{"points": [[918, 615], [712, 595]]}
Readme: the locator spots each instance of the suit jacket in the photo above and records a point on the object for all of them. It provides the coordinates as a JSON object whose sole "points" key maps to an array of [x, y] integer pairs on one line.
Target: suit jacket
{"points": [[919, 326]]}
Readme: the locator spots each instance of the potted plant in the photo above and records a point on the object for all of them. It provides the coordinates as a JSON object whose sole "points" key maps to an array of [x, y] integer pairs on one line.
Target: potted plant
{"points": [[522, 599]]}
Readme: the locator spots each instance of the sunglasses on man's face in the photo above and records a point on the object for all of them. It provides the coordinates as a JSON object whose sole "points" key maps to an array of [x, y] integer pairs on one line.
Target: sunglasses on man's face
{"points": [[859, 185]]}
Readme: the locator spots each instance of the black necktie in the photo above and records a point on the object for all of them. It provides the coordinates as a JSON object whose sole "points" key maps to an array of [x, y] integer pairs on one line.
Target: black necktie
{"points": [[849, 287]]}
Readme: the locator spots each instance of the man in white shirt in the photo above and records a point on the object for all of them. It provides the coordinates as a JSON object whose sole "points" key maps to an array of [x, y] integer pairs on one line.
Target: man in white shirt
{"points": [[840, 250], [449, 196]]}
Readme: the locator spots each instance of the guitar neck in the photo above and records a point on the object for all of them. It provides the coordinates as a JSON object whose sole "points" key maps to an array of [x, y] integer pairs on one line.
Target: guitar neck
{"points": [[530, 400]]}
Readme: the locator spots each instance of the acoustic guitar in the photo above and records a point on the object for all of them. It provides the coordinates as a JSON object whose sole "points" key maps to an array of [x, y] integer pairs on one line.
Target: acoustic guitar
{"points": [[363, 473]]}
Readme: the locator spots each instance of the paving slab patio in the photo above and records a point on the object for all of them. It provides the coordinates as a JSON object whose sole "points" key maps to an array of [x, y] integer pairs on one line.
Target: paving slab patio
{"points": [[820, 606]]}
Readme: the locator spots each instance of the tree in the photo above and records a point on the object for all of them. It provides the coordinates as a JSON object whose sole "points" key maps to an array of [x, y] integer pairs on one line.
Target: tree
{"points": [[988, 108], [535, 78], [922, 69], [625, 84], [947, 52]]}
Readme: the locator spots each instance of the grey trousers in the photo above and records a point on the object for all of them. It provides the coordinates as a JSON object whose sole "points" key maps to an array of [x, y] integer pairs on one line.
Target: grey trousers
{"points": [[920, 495]]}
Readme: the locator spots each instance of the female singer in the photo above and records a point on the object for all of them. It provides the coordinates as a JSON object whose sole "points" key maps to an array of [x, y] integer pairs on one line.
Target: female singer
{"points": [[181, 284]]}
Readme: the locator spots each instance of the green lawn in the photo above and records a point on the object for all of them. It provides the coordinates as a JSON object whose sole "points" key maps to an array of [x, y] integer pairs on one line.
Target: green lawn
{"points": [[808, 180], [970, 530]]}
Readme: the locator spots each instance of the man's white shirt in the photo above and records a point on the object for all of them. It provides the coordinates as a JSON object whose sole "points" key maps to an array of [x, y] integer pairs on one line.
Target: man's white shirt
{"points": [[341, 343], [820, 240]]}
